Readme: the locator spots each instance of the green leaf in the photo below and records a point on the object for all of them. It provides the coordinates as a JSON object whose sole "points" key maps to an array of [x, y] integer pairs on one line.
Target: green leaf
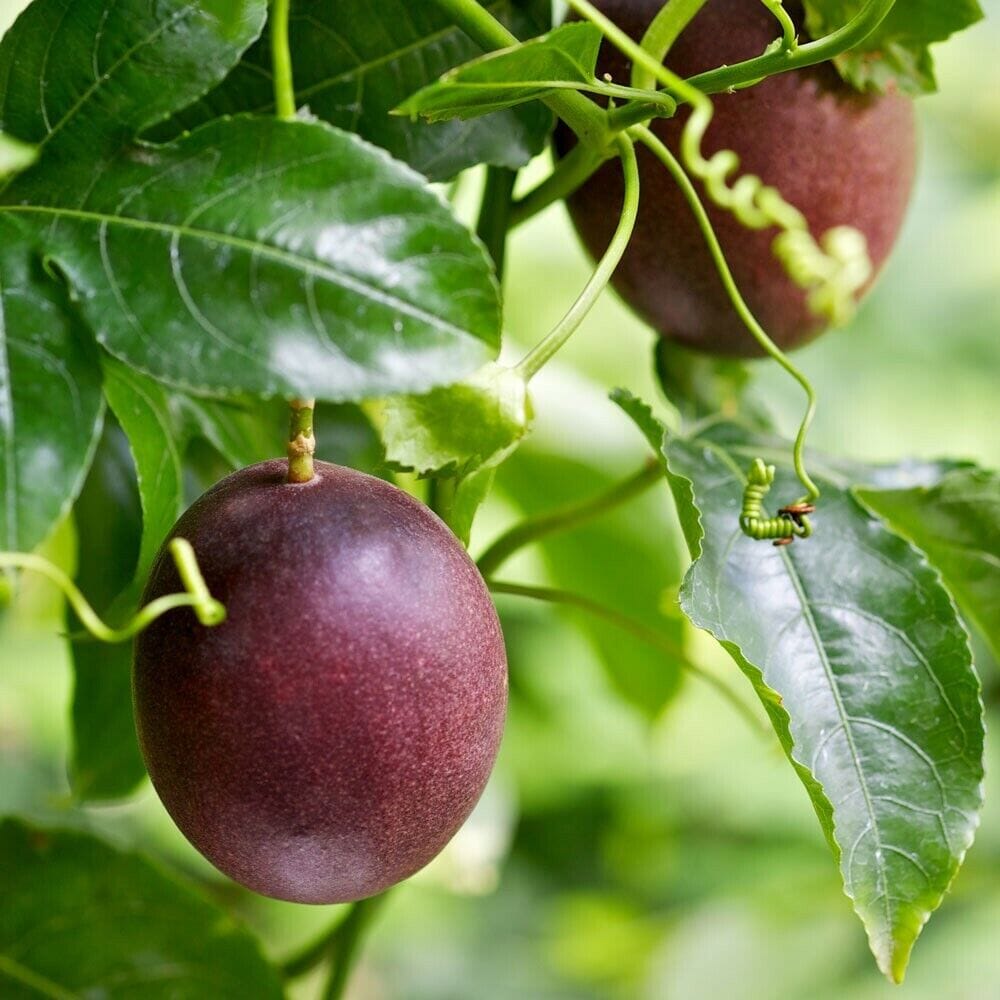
{"points": [[629, 560], [50, 398], [81, 77], [83, 919], [957, 525], [15, 156], [897, 55], [356, 60], [856, 651], [511, 76], [459, 428], [269, 258], [105, 762], [142, 407], [643, 417]]}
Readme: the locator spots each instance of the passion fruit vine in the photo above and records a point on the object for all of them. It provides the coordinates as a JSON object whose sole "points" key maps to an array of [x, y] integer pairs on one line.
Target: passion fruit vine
{"points": [[330, 737], [841, 157]]}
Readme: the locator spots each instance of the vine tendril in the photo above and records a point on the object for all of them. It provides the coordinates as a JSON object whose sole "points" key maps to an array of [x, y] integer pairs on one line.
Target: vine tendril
{"points": [[196, 595], [791, 523]]}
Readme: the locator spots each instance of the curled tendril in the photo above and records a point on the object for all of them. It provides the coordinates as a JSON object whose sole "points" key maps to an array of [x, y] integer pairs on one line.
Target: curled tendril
{"points": [[196, 594], [791, 522], [832, 270]]}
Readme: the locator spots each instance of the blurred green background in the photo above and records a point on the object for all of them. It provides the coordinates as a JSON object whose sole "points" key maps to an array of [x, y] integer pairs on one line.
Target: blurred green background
{"points": [[616, 855]]}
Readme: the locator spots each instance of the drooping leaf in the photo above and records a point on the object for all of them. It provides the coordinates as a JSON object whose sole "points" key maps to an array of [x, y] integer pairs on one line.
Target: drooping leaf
{"points": [[858, 656], [15, 156], [83, 919], [629, 560], [50, 398], [105, 762], [957, 524], [897, 55], [511, 76], [269, 258], [81, 77], [356, 60]]}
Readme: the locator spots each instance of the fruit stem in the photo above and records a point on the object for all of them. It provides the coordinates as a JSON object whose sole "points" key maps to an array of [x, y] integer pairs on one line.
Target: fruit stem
{"points": [[568, 325], [566, 518], [347, 944], [660, 36], [281, 61], [645, 136], [634, 628], [301, 441], [494, 214], [196, 594]]}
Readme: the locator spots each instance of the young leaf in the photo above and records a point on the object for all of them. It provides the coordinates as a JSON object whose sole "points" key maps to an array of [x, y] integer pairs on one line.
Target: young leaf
{"points": [[458, 428], [82, 77], [269, 258], [83, 919], [510, 77], [15, 156], [957, 524], [356, 60], [897, 55], [105, 762], [50, 398], [857, 654]]}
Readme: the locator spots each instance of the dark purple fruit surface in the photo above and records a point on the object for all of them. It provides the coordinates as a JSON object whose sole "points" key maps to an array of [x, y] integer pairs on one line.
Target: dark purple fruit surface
{"points": [[840, 157], [330, 737]]}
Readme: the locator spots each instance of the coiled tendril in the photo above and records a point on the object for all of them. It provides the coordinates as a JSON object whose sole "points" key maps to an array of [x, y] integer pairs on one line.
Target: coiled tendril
{"points": [[791, 523], [196, 594]]}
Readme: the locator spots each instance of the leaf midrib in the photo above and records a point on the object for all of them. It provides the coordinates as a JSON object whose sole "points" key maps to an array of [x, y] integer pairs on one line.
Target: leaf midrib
{"points": [[265, 250]]}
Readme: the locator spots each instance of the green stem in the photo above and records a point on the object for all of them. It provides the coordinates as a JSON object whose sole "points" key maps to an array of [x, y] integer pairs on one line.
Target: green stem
{"points": [[196, 596], [567, 175], [735, 296], [808, 54], [566, 518], [570, 323], [661, 34], [301, 441], [348, 942], [635, 628], [789, 37], [281, 61], [584, 117], [494, 214]]}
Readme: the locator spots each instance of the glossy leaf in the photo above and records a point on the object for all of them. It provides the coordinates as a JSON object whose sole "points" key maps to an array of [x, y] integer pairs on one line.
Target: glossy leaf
{"points": [[957, 524], [897, 54], [628, 560], [50, 398], [105, 762], [510, 77], [83, 919], [270, 258], [81, 77], [356, 60], [855, 649]]}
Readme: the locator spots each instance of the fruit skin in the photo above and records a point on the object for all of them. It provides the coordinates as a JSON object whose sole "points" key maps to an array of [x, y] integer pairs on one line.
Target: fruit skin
{"points": [[331, 736], [840, 157]]}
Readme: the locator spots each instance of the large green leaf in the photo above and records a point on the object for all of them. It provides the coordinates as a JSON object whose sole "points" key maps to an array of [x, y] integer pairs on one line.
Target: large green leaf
{"points": [[272, 258], [956, 522], [857, 653], [82, 919], [83, 76], [105, 762], [897, 54], [356, 60], [50, 398], [628, 560], [511, 76]]}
